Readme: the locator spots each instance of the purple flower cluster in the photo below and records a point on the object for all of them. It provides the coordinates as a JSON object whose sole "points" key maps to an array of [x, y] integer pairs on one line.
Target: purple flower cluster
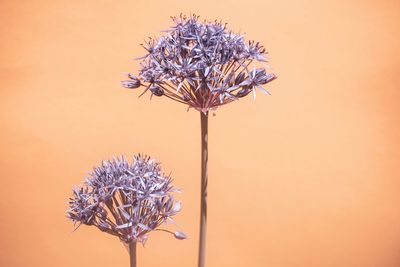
{"points": [[201, 64], [125, 200]]}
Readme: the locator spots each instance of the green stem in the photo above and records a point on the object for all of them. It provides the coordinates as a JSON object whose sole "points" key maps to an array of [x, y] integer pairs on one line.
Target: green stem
{"points": [[132, 253], [204, 181]]}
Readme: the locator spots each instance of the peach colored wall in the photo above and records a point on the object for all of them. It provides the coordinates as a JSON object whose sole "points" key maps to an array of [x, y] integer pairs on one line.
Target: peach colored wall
{"points": [[307, 177]]}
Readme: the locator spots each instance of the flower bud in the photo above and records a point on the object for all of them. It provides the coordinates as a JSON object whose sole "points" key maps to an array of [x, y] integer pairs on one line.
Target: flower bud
{"points": [[240, 78], [180, 235], [132, 84], [266, 78], [156, 90], [243, 92]]}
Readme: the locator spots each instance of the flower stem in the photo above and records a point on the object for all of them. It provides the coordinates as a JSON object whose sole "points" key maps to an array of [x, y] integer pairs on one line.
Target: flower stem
{"points": [[204, 181], [132, 253]]}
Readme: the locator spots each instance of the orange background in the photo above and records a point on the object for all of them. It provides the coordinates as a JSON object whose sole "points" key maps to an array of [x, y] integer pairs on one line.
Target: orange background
{"points": [[307, 177]]}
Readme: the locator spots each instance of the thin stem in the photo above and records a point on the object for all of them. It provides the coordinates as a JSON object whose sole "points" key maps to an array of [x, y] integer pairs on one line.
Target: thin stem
{"points": [[204, 181], [132, 253]]}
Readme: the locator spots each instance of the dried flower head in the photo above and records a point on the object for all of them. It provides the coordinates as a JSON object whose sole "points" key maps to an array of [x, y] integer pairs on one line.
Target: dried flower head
{"points": [[126, 200], [203, 65]]}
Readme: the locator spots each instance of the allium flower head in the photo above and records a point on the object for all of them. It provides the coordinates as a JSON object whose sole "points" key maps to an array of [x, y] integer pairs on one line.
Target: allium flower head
{"points": [[125, 200], [201, 64]]}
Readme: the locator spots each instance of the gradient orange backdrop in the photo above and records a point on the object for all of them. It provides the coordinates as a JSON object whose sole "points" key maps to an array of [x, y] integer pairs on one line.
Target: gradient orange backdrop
{"points": [[307, 177]]}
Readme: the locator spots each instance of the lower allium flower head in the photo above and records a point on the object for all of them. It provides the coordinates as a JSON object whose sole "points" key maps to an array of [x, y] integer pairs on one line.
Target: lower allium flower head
{"points": [[126, 200], [202, 65]]}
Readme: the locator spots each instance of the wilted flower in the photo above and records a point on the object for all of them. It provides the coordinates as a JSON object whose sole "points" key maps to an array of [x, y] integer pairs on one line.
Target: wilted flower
{"points": [[203, 65], [126, 200]]}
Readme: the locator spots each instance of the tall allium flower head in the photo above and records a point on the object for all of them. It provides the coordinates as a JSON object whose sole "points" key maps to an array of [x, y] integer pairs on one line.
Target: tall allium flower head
{"points": [[201, 64], [126, 200]]}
